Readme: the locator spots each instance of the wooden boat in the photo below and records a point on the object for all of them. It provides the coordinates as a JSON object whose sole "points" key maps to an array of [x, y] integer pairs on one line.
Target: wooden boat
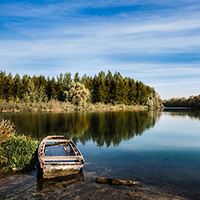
{"points": [[59, 156]]}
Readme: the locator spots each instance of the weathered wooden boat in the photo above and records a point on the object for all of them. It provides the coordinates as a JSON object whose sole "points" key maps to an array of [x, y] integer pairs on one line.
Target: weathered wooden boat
{"points": [[59, 156]]}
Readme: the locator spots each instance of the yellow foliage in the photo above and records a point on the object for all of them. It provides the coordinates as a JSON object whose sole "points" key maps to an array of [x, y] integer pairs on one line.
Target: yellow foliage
{"points": [[6, 130]]}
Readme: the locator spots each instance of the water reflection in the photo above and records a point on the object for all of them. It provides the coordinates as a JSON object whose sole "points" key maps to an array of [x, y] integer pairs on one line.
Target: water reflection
{"points": [[102, 127], [167, 156], [195, 114]]}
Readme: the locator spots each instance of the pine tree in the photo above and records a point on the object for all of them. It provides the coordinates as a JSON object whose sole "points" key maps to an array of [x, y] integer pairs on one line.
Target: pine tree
{"points": [[76, 77], [51, 88], [3, 85], [102, 87], [87, 81], [125, 90], [95, 90], [67, 79], [18, 89], [118, 88], [34, 94], [42, 81], [109, 82], [60, 87], [31, 93], [141, 93], [132, 92], [10, 88]]}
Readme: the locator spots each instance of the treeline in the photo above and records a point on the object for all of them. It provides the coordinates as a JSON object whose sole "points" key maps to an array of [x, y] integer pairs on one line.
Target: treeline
{"points": [[103, 88], [192, 101]]}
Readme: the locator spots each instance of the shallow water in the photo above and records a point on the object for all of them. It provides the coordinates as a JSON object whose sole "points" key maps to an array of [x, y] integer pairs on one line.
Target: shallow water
{"points": [[160, 149]]}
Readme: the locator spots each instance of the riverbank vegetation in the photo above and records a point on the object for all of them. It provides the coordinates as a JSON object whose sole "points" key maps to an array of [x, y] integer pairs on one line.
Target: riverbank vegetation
{"points": [[67, 93], [17, 152], [192, 101]]}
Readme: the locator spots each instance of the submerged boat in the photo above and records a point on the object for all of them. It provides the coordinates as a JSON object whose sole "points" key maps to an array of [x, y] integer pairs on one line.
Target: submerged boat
{"points": [[59, 156]]}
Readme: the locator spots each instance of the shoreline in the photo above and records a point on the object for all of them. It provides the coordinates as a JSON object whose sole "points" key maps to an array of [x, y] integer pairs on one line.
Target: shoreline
{"points": [[77, 188], [55, 106]]}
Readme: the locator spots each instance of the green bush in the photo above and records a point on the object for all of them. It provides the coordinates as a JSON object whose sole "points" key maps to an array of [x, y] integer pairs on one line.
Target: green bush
{"points": [[19, 153], [77, 93]]}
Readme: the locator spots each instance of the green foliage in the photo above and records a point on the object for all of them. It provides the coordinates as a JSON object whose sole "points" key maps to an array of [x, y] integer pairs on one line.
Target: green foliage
{"points": [[33, 94], [6, 130], [3, 82], [18, 88], [77, 94], [51, 89], [154, 102], [76, 77], [18, 152], [192, 101], [132, 92], [104, 88]]}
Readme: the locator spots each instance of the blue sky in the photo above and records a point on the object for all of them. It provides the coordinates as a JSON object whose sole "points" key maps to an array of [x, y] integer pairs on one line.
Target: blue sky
{"points": [[154, 41]]}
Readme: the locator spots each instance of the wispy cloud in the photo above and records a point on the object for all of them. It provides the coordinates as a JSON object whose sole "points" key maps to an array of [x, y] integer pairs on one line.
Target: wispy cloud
{"points": [[157, 42]]}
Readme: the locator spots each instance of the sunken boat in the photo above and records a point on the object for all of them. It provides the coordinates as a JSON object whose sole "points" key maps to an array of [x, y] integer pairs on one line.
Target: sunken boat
{"points": [[59, 156]]}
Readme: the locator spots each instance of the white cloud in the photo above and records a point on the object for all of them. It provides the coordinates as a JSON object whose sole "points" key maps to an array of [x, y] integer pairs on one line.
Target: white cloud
{"points": [[90, 44]]}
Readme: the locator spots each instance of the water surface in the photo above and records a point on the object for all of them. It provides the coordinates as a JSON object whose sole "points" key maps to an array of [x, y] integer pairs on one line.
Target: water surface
{"points": [[160, 149]]}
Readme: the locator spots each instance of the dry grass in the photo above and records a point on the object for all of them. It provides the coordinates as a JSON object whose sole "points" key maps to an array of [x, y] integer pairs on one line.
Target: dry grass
{"points": [[57, 106], [6, 130]]}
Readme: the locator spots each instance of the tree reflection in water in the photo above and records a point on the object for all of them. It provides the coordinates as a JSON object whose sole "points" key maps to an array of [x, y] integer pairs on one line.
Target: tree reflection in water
{"points": [[192, 113], [100, 127]]}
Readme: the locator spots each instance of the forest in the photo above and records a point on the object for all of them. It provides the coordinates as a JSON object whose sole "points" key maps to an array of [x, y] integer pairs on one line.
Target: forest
{"points": [[192, 101], [102, 88]]}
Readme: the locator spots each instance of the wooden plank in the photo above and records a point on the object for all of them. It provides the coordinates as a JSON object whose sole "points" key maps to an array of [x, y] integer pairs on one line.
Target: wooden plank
{"points": [[41, 149], [76, 151], [79, 152], [45, 158], [56, 140], [62, 163], [55, 136]]}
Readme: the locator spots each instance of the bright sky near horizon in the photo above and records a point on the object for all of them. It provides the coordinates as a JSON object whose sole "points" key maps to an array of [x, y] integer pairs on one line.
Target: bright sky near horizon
{"points": [[154, 41]]}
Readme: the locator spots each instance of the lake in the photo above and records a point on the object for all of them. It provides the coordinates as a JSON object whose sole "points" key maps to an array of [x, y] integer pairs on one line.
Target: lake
{"points": [[159, 149]]}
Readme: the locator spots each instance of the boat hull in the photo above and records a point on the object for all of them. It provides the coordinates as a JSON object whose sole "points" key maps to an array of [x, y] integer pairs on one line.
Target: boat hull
{"points": [[52, 171]]}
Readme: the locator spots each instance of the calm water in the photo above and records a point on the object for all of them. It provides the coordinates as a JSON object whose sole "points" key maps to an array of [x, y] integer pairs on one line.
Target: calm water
{"points": [[161, 149]]}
